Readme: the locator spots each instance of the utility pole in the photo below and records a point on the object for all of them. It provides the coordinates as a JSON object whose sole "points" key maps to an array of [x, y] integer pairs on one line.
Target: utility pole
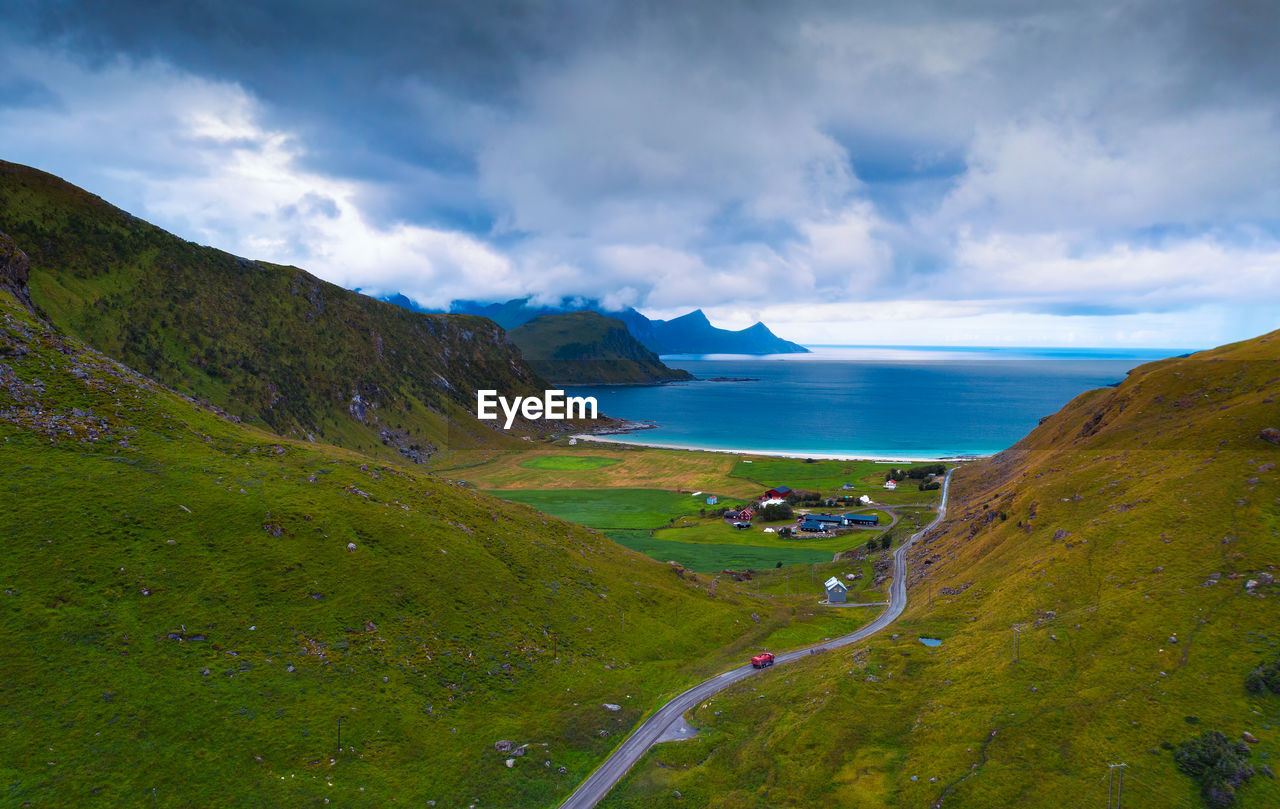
{"points": [[1119, 786], [339, 734], [1016, 633]]}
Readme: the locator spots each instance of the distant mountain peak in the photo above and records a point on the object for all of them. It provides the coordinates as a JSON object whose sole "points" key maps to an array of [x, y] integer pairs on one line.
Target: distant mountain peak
{"points": [[691, 333], [696, 316]]}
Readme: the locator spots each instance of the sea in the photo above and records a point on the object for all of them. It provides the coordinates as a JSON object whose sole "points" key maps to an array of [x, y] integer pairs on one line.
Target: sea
{"points": [[880, 402]]}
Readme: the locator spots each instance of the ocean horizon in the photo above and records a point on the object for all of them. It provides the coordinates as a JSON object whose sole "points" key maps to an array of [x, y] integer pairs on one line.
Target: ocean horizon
{"points": [[899, 403]]}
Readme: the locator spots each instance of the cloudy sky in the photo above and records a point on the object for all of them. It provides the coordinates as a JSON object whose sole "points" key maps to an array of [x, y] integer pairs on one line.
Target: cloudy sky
{"points": [[1100, 174]]}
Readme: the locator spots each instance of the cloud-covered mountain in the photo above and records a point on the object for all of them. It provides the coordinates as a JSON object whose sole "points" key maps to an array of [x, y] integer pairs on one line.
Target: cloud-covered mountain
{"points": [[692, 333]]}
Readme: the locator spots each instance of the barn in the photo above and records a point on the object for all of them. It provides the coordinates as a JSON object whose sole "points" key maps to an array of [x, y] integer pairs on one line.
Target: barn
{"points": [[861, 520]]}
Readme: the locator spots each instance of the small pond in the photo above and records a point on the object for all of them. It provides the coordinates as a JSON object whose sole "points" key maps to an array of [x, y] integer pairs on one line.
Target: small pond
{"points": [[931, 641]]}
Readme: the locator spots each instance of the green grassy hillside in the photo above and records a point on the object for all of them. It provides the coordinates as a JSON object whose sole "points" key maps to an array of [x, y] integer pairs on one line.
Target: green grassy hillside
{"points": [[586, 348], [272, 345], [1119, 538], [192, 605]]}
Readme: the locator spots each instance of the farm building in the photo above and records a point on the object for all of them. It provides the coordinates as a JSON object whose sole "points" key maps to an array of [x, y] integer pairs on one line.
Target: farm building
{"points": [[846, 486], [865, 500], [825, 519], [891, 484], [777, 492], [861, 519], [836, 591], [712, 500]]}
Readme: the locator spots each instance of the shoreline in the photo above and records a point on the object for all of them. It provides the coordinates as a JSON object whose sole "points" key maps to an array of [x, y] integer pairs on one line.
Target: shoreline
{"points": [[777, 453]]}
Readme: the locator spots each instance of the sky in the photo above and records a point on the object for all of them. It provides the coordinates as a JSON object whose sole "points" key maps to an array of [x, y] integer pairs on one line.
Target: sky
{"points": [[1009, 173]]}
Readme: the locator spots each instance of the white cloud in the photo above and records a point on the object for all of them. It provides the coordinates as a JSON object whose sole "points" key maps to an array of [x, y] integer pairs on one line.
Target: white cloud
{"points": [[1078, 177], [834, 172], [192, 156]]}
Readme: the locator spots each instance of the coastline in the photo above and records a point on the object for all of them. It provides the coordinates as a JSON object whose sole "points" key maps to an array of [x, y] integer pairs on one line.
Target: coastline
{"points": [[773, 453]]}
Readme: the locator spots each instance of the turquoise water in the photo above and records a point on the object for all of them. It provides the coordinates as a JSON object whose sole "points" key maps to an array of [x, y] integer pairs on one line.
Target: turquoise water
{"points": [[867, 402], [930, 641]]}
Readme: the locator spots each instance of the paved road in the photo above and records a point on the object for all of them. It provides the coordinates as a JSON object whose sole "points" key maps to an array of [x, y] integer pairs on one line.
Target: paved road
{"points": [[598, 784]]}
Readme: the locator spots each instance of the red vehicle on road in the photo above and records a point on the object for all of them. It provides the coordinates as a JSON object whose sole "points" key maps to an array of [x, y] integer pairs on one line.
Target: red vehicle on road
{"points": [[762, 660]]}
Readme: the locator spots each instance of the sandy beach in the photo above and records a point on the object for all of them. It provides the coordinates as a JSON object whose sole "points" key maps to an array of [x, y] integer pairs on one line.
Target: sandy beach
{"points": [[822, 456]]}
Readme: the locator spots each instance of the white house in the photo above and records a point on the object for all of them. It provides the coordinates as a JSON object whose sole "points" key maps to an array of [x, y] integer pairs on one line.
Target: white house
{"points": [[865, 500], [836, 591], [891, 484]]}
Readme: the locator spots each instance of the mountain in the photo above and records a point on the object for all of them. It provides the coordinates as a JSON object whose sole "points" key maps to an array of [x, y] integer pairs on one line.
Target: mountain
{"points": [[688, 334], [272, 345], [694, 334], [193, 610], [1103, 592], [586, 347]]}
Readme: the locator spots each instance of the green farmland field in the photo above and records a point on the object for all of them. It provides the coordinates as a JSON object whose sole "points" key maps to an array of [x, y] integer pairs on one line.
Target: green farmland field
{"points": [[568, 463], [609, 508], [711, 557]]}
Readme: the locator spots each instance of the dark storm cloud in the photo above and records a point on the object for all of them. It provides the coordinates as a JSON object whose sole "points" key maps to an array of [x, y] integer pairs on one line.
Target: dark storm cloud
{"points": [[683, 153]]}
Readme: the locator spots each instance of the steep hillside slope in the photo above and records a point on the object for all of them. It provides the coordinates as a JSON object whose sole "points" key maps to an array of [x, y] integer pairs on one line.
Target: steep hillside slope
{"points": [[585, 347], [273, 345], [1124, 551], [193, 606]]}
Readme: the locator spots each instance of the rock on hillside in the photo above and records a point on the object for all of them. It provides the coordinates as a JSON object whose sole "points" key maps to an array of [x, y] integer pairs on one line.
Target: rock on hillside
{"points": [[14, 267]]}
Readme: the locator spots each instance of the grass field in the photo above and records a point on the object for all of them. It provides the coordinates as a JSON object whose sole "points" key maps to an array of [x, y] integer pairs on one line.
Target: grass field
{"points": [[827, 477], [609, 508], [711, 557], [568, 463], [717, 532], [631, 467], [628, 468]]}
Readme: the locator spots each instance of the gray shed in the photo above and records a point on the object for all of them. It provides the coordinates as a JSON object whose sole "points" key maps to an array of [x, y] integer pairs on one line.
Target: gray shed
{"points": [[835, 591]]}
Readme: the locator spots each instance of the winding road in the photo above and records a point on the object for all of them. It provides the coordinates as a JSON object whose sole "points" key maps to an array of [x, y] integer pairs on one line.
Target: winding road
{"points": [[598, 784]]}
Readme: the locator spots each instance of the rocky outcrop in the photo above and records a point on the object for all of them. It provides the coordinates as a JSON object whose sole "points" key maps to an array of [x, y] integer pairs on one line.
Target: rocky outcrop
{"points": [[14, 269]]}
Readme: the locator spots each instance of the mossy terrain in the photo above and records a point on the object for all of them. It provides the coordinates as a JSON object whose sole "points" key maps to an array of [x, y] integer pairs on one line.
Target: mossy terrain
{"points": [[1120, 539], [272, 345], [191, 605]]}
